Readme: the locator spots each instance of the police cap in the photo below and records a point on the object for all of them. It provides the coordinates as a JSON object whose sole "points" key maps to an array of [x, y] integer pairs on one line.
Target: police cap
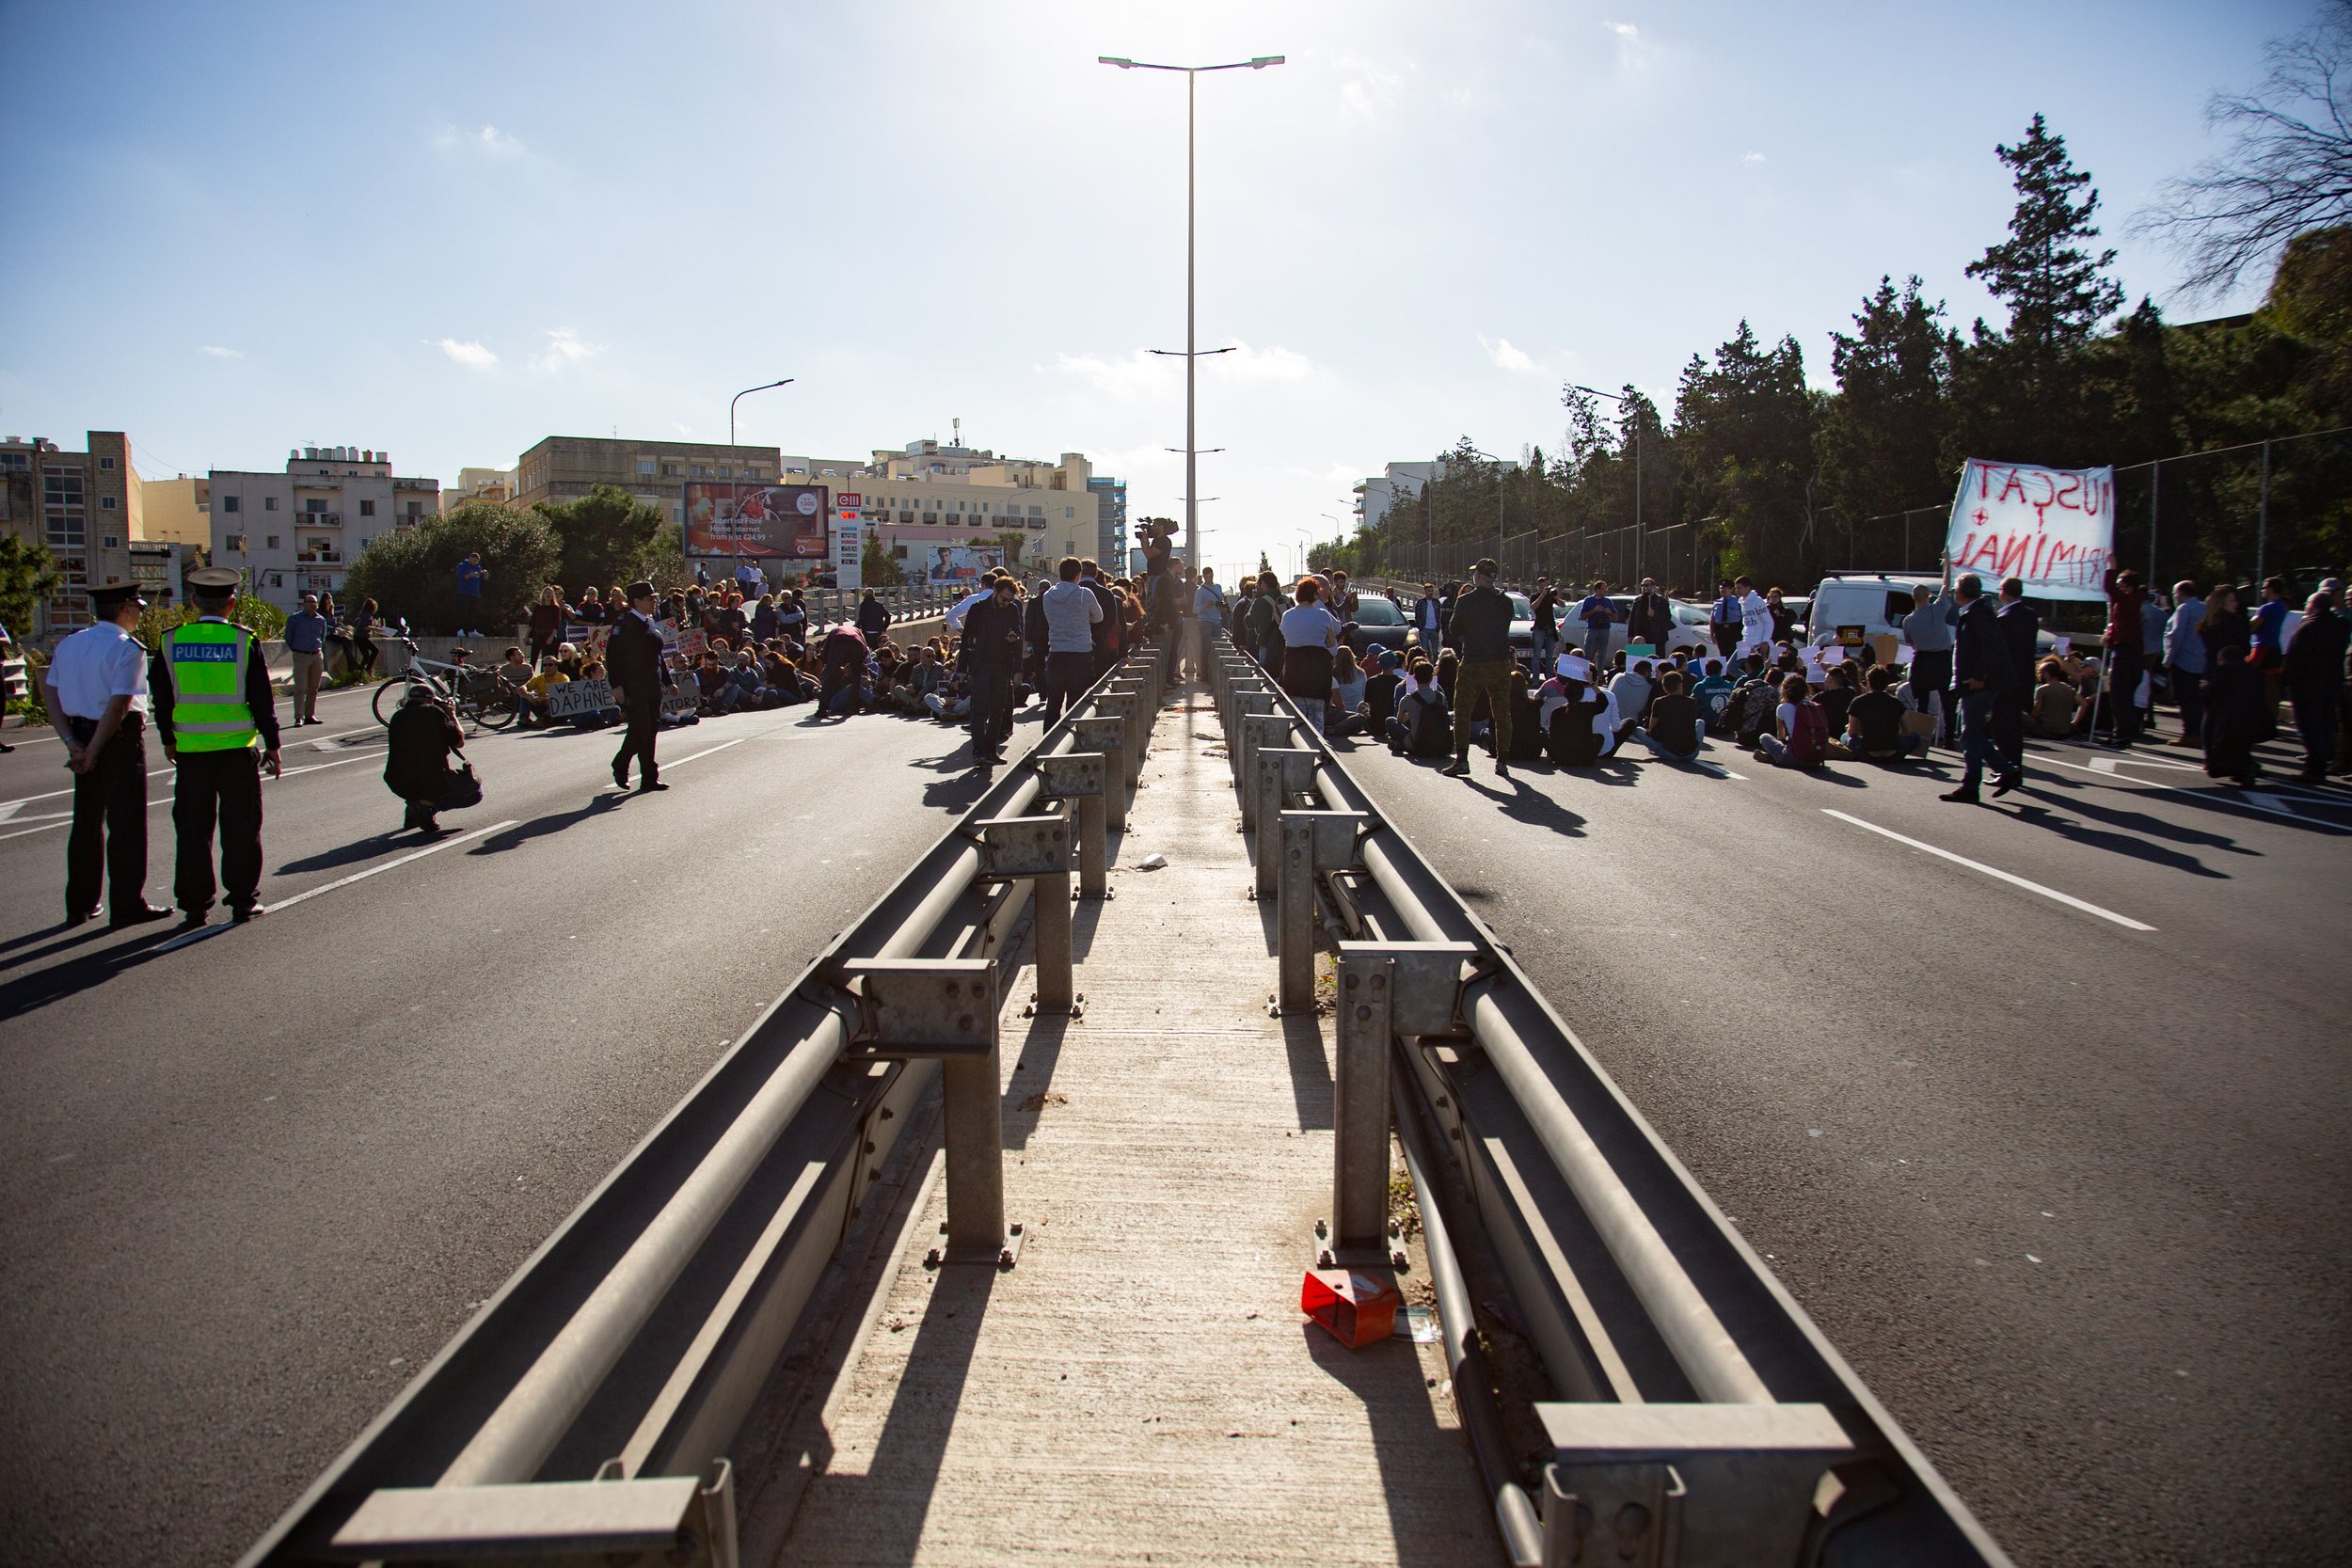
{"points": [[110, 598], [214, 580]]}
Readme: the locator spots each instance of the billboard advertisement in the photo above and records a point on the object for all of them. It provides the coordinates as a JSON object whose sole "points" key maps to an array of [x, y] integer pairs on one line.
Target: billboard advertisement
{"points": [[730, 519], [962, 564]]}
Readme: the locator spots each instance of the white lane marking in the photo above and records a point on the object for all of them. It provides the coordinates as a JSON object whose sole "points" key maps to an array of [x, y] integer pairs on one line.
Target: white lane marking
{"points": [[2225, 794], [343, 882], [681, 762], [316, 766], [1994, 872], [42, 829], [54, 794]]}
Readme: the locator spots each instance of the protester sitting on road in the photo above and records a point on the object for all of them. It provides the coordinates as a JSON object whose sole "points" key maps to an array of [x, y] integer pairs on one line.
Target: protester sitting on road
{"points": [[951, 701], [1711, 691], [1836, 696], [1341, 713], [1382, 688], [512, 670], [1874, 722], [2055, 703], [1423, 726], [1631, 690], [423, 740], [530, 702], [1800, 734], [1577, 732], [1673, 731]]}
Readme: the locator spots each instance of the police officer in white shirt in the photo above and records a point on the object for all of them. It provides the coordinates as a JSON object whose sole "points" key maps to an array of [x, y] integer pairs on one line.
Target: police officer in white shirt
{"points": [[96, 691]]}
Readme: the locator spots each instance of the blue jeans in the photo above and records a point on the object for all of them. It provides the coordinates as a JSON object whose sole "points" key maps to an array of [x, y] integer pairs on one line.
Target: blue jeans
{"points": [[1660, 747], [1597, 646], [1546, 646], [1976, 738]]}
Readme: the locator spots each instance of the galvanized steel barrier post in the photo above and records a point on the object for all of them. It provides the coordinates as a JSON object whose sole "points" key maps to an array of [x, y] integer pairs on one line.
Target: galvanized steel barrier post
{"points": [[1083, 777], [1036, 849], [1386, 989], [1259, 732], [1106, 734], [1313, 842], [1127, 707], [1283, 774]]}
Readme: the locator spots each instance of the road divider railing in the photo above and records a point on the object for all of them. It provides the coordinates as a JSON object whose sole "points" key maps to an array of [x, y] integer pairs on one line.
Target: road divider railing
{"points": [[1696, 1418], [586, 1410]]}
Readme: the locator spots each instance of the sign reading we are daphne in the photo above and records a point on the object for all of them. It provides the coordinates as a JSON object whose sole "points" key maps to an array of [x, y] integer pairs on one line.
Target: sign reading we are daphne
{"points": [[2052, 528]]}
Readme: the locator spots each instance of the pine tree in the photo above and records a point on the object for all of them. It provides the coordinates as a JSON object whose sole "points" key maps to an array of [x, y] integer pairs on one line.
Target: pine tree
{"points": [[1882, 435]]}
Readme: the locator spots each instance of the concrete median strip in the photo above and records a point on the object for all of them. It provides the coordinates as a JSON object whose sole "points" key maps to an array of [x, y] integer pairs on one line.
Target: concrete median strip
{"points": [[1994, 872]]}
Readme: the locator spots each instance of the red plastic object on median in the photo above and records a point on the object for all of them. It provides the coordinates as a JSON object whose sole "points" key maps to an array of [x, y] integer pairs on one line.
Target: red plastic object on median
{"points": [[1358, 1308]]}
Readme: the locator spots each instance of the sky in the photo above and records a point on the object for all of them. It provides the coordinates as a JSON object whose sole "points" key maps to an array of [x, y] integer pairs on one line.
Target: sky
{"points": [[450, 230]]}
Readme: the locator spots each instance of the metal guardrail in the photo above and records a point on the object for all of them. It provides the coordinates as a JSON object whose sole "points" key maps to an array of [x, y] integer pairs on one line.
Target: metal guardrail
{"points": [[584, 1412], [1708, 1423]]}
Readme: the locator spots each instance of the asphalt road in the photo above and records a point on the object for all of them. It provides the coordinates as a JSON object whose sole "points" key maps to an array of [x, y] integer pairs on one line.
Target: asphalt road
{"points": [[2066, 1186], [254, 1181]]}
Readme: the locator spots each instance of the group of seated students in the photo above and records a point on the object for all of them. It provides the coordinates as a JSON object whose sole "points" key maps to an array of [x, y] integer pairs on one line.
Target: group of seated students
{"points": [[1788, 714]]}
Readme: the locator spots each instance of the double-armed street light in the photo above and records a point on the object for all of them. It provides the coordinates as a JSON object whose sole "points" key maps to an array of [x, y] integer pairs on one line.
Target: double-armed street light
{"points": [[1192, 482]]}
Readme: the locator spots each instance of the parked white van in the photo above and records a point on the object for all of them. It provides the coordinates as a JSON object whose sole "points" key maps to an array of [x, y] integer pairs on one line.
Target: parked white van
{"points": [[1875, 601]]}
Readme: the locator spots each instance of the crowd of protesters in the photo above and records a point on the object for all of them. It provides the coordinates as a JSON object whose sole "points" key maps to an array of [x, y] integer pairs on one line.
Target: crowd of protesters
{"points": [[1980, 676]]}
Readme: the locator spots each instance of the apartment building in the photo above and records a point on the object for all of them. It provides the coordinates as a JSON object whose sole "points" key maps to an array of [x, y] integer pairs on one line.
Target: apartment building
{"points": [[176, 511], [927, 495], [565, 468], [479, 485], [1111, 521], [83, 505], [299, 532]]}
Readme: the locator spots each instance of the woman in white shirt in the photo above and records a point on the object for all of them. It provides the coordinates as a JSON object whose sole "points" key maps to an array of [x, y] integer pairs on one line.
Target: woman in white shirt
{"points": [[1310, 635]]}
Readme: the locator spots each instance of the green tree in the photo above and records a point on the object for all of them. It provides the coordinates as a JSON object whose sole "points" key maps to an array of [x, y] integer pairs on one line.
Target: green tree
{"points": [[2019, 394], [28, 575], [603, 537], [877, 566], [1882, 435], [412, 573], [1745, 422]]}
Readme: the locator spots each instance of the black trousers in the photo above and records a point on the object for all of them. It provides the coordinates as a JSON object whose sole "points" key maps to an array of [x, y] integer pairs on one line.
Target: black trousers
{"points": [[644, 722], [1932, 672], [109, 832], [2189, 694], [1067, 678], [2008, 731], [991, 705], [223, 790]]}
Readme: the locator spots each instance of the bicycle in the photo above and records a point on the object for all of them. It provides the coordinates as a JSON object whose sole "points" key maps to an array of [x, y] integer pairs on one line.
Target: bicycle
{"points": [[476, 696]]}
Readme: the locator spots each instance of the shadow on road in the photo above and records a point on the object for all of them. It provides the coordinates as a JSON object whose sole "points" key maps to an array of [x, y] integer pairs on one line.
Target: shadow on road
{"points": [[37, 989], [539, 827], [359, 849]]}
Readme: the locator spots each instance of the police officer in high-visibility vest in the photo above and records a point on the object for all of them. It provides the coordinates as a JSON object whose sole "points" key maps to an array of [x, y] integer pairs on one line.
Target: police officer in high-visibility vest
{"points": [[217, 719]]}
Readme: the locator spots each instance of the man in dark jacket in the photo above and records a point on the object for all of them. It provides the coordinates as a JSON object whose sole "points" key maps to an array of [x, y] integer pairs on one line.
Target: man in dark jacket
{"points": [[2313, 674], [2021, 635], [1652, 620], [990, 654], [1981, 672], [423, 740], [632, 660], [873, 617], [1481, 628]]}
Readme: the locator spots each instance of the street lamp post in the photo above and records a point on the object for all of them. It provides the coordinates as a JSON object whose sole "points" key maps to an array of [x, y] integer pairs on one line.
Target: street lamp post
{"points": [[1192, 481], [1620, 401], [763, 387], [1499, 473]]}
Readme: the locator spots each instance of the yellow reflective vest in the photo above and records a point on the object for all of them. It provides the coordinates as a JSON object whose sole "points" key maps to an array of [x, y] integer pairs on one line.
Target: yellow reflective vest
{"points": [[207, 662]]}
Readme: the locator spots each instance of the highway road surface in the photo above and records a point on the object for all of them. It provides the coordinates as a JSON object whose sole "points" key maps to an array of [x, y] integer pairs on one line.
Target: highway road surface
{"points": [[254, 1181], [2039, 1107]]}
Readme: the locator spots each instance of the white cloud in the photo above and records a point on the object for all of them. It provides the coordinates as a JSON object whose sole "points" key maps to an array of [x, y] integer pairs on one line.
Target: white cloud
{"points": [[1752, 157], [1506, 356], [219, 353], [1273, 364], [487, 140], [565, 349], [470, 353], [1367, 88], [1625, 30], [1138, 374]]}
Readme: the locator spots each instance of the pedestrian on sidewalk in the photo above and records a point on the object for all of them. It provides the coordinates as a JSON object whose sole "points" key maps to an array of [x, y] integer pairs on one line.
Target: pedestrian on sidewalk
{"points": [[1071, 612], [217, 719], [95, 689], [1481, 630], [306, 642], [1310, 636], [991, 656], [1981, 671]]}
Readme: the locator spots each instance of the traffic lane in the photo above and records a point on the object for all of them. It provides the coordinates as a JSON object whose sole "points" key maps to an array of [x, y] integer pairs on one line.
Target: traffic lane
{"points": [[306, 1203], [1776, 1002]]}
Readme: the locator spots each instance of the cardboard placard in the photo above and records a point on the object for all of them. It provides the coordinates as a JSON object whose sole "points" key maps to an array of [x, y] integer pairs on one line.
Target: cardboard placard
{"points": [[578, 699], [1883, 647], [1852, 637]]}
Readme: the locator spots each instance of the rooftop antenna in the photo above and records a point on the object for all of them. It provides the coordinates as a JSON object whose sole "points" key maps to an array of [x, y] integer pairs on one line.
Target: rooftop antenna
{"points": [[958, 423]]}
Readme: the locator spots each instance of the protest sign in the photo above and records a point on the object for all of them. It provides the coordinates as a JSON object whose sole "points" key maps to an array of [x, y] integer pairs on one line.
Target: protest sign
{"points": [[578, 699], [681, 701], [2054, 529]]}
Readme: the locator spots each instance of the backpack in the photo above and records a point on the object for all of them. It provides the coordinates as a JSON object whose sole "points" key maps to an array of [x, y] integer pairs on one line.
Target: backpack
{"points": [[1808, 739], [1749, 713]]}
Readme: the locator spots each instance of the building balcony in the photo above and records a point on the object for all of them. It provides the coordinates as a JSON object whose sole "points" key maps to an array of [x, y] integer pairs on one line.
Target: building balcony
{"points": [[320, 558], [320, 519]]}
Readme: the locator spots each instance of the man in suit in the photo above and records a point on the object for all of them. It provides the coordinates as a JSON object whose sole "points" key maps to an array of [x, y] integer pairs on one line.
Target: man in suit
{"points": [[2021, 635], [632, 656], [990, 654], [1979, 672]]}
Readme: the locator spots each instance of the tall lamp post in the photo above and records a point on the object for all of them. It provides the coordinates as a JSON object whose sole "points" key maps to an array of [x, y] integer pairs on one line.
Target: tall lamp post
{"points": [[1499, 473], [1620, 401], [1192, 482], [763, 387]]}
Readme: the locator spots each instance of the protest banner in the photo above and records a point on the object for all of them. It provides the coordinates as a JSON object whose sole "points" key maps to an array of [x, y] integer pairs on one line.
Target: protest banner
{"points": [[2054, 529], [578, 699]]}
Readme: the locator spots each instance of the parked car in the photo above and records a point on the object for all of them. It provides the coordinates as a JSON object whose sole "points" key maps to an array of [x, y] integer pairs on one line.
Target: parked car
{"points": [[1689, 628], [1378, 619]]}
